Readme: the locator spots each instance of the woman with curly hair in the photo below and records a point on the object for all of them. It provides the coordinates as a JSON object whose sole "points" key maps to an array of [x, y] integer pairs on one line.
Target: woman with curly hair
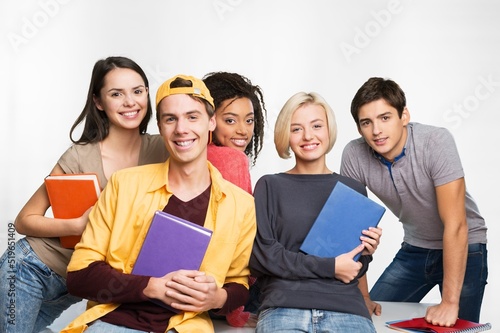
{"points": [[240, 110], [240, 115]]}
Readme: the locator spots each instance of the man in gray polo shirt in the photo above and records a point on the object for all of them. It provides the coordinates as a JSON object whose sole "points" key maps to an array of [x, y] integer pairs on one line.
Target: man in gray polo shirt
{"points": [[415, 170]]}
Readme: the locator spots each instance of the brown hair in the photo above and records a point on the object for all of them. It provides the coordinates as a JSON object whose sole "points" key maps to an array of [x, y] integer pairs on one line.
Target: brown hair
{"points": [[96, 126], [378, 88]]}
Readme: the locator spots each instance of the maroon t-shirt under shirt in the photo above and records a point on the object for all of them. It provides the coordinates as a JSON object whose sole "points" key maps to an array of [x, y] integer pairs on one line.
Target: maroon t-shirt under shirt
{"points": [[136, 311]]}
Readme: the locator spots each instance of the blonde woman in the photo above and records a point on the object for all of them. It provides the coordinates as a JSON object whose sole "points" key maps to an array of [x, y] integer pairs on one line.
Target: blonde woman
{"points": [[302, 292]]}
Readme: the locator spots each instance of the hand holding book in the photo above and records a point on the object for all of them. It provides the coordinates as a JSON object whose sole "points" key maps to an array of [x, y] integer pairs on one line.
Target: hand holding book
{"points": [[421, 325], [171, 244], [346, 267], [71, 196], [172, 290], [337, 228]]}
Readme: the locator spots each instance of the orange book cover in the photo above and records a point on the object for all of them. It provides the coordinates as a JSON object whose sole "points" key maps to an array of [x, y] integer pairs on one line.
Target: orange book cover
{"points": [[421, 325], [70, 196]]}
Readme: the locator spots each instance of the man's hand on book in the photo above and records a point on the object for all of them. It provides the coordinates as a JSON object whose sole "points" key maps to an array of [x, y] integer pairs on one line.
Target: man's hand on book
{"points": [[442, 314], [157, 289], [194, 291]]}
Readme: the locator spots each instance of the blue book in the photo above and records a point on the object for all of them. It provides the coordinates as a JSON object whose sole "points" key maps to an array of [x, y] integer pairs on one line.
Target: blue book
{"points": [[338, 226]]}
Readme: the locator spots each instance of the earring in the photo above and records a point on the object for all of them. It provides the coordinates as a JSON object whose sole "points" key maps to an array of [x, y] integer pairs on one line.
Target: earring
{"points": [[209, 137]]}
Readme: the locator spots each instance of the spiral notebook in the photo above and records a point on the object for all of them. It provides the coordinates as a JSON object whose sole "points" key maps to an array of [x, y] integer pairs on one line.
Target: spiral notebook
{"points": [[420, 325]]}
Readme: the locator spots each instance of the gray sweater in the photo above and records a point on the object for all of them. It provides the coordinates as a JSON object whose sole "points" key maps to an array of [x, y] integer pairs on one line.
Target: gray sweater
{"points": [[286, 207]]}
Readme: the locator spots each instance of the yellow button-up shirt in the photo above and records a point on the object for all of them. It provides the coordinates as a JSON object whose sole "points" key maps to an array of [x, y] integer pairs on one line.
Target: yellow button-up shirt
{"points": [[119, 221]]}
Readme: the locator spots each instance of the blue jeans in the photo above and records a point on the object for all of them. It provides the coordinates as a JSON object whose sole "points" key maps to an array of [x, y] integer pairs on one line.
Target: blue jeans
{"points": [[414, 271], [34, 295], [275, 320], [100, 327]]}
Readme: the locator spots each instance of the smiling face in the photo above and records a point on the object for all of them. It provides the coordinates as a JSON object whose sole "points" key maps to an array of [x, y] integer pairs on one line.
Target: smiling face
{"points": [[382, 129], [184, 125], [235, 123], [309, 136], [124, 98]]}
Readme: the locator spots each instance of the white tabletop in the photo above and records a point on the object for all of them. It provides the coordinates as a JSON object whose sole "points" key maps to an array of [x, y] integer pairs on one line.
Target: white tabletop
{"points": [[390, 311], [397, 311]]}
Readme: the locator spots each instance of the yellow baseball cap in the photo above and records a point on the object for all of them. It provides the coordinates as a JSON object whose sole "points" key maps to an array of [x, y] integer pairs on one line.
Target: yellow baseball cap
{"points": [[198, 89]]}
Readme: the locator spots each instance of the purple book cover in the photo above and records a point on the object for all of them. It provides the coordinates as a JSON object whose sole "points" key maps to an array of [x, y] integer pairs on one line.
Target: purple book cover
{"points": [[171, 244]]}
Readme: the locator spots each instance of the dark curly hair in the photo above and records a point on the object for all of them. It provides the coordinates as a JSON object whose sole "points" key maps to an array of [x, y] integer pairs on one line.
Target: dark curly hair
{"points": [[224, 86]]}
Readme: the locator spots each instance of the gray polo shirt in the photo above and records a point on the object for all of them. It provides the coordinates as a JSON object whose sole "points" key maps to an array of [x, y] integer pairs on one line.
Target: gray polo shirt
{"points": [[430, 159]]}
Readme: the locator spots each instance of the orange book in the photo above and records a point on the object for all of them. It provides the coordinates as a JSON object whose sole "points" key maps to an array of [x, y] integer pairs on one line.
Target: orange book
{"points": [[70, 196], [421, 325]]}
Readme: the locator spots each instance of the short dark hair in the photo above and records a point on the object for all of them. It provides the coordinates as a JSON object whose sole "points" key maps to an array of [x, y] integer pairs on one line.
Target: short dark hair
{"points": [[378, 88]]}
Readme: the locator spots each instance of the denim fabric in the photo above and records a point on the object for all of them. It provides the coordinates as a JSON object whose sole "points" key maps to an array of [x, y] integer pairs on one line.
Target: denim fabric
{"points": [[414, 271], [34, 295], [100, 327], [275, 320]]}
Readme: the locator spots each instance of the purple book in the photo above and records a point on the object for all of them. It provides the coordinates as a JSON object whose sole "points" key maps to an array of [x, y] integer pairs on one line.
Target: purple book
{"points": [[171, 243]]}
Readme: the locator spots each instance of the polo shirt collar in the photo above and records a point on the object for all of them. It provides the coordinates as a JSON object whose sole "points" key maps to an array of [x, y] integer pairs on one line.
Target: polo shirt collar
{"points": [[387, 162]]}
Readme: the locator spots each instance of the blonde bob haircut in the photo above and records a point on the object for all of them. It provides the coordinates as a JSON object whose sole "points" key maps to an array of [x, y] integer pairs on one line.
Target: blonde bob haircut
{"points": [[282, 126]]}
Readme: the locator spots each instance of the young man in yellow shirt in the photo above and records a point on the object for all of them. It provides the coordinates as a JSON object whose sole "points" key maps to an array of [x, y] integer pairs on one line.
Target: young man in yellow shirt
{"points": [[186, 185]]}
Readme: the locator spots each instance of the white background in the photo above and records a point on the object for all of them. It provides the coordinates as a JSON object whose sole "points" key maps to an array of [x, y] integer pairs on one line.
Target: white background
{"points": [[445, 55]]}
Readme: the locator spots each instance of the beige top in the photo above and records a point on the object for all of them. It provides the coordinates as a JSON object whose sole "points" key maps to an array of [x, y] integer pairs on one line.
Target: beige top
{"points": [[87, 159]]}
